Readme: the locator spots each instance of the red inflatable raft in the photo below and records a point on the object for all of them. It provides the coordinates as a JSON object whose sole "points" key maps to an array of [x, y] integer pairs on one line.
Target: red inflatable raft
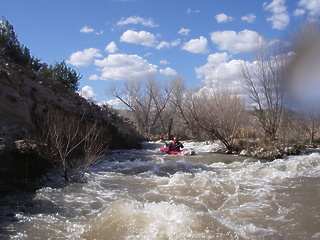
{"points": [[166, 150]]}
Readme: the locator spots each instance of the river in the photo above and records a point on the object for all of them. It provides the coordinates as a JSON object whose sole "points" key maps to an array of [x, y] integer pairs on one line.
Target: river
{"points": [[143, 194]]}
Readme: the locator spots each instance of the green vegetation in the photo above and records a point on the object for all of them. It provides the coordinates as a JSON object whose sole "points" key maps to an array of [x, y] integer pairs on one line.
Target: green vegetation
{"points": [[70, 141], [60, 72], [12, 51]]}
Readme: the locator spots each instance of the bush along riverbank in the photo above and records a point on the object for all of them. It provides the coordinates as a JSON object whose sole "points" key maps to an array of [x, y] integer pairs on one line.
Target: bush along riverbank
{"points": [[39, 117], [268, 152]]}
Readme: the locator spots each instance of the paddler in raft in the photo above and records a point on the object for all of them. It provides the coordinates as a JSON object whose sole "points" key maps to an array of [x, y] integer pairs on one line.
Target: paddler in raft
{"points": [[175, 145]]}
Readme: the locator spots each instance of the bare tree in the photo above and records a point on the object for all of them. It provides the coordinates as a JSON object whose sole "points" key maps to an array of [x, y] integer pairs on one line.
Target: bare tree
{"points": [[148, 102], [138, 102], [308, 124], [95, 144], [70, 142], [264, 82], [160, 95], [183, 124], [178, 95], [216, 113]]}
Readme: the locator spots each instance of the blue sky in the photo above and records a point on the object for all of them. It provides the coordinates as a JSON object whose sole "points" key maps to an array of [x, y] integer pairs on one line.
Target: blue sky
{"points": [[111, 41]]}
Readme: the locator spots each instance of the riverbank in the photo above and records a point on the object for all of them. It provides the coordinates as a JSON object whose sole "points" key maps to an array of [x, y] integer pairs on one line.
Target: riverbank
{"points": [[270, 153], [267, 153], [26, 98]]}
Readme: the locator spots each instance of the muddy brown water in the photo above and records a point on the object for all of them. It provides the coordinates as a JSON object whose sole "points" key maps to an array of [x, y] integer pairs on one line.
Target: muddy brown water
{"points": [[143, 194]]}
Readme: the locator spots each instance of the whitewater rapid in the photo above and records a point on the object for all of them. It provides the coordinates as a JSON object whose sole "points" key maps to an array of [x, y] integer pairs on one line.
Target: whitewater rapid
{"points": [[143, 194]]}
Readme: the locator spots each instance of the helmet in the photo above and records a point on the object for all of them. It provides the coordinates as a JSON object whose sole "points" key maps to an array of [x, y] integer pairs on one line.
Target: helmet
{"points": [[175, 138]]}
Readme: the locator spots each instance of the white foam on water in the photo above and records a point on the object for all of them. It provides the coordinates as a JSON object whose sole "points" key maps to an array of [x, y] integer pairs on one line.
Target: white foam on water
{"points": [[142, 194], [135, 220], [203, 146]]}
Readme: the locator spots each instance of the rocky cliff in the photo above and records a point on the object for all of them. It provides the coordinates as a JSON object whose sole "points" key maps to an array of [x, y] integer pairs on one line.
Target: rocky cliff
{"points": [[22, 92]]}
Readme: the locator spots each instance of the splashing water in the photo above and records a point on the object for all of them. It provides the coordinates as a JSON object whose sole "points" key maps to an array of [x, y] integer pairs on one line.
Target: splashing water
{"points": [[142, 194]]}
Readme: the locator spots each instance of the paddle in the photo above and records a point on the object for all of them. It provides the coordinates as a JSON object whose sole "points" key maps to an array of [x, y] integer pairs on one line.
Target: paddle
{"points": [[161, 137]]}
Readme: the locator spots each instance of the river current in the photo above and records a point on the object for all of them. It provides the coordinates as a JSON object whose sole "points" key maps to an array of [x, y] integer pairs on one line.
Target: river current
{"points": [[143, 194]]}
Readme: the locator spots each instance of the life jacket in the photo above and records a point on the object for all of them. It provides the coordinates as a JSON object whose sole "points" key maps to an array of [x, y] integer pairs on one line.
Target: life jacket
{"points": [[174, 146]]}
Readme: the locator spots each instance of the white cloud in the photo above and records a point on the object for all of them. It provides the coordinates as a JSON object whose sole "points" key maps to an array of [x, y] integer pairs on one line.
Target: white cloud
{"points": [[184, 31], [218, 70], [250, 18], [148, 22], [125, 67], [115, 103], [86, 29], [141, 38], [299, 12], [217, 58], [100, 33], [88, 93], [83, 58], [280, 17], [213, 60], [164, 44], [111, 48], [244, 41], [222, 18], [196, 45], [312, 6], [278, 42], [168, 71], [164, 62], [94, 77], [190, 11]]}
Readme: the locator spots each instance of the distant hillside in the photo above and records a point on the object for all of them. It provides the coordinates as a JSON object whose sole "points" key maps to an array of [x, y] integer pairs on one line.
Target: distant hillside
{"points": [[22, 93]]}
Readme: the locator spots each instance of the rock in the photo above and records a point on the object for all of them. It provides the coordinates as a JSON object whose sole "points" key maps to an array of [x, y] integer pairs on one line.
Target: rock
{"points": [[244, 153], [26, 146]]}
